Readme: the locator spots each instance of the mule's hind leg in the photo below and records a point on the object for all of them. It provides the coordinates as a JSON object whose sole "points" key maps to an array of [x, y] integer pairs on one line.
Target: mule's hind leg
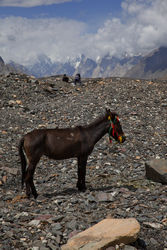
{"points": [[28, 188], [29, 181], [82, 161], [33, 189]]}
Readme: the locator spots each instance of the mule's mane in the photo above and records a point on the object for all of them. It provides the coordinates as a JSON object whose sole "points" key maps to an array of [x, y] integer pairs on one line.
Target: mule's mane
{"points": [[100, 119], [97, 121]]}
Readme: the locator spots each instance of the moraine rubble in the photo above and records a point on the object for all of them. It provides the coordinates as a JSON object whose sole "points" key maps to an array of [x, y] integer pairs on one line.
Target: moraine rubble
{"points": [[116, 182]]}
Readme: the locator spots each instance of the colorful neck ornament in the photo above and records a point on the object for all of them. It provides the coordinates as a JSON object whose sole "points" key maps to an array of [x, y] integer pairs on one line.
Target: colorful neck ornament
{"points": [[112, 131]]}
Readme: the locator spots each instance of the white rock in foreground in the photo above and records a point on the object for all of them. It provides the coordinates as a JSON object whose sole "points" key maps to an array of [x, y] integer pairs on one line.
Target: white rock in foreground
{"points": [[108, 232]]}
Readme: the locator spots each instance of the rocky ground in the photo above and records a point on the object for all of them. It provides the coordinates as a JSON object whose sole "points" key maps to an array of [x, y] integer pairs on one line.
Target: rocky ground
{"points": [[116, 181]]}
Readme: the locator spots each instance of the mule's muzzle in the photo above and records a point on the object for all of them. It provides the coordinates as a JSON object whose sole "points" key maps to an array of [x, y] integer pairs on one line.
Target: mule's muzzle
{"points": [[121, 138]]}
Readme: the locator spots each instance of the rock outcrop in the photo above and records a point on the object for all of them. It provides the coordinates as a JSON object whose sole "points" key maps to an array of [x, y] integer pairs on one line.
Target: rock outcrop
{"points": [[107, 232], [156, 170]]}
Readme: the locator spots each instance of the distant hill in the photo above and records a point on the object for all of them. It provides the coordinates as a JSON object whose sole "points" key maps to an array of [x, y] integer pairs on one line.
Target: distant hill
{"points": [[12, 67], [152, 66], [15, 67], [4, 69]]}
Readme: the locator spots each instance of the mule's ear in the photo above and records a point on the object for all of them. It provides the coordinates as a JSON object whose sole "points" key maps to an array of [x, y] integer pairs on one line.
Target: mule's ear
{"points": [[113, 115], [108, 113], [107, 110]]}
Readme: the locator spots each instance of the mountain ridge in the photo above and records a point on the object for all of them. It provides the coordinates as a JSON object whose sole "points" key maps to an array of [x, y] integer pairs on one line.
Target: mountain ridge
{"points": [[106, 66], [152, 65]]}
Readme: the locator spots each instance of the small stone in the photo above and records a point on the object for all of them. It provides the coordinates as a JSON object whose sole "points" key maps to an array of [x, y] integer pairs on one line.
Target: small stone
{"points": [[51, 245], [4, 179], [153, 225], [13, 171], [153, 241], [19, 102], [72, 224], [43, 217], [164, 221], [128, 247], [44, 248], [56, 226], [104, 197], [4, 132], [58, 239], [34, 223]]}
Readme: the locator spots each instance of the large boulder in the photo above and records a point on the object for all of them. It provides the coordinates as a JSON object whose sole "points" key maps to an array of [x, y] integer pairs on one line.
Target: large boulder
{"points": [[156, 170], [107, 232]]}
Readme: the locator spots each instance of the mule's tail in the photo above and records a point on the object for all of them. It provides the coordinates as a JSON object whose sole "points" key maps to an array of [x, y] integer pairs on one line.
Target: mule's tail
{"points": [[23, 161]]}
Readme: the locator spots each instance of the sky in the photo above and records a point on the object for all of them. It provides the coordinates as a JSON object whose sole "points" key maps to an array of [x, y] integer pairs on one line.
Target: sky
{"points": [[65, 29]]}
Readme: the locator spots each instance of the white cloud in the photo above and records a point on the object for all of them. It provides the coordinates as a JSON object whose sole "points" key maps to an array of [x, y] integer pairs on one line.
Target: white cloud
{"points": [[30, 3], [142, 28], [23, 39]]}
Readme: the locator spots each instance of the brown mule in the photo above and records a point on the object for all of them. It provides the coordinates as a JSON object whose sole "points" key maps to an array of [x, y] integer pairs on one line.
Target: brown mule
{"points": [[65, 143]]}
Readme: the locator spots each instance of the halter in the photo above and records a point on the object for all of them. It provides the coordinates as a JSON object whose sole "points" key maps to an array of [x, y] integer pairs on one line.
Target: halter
{"points": [[112, 128]]}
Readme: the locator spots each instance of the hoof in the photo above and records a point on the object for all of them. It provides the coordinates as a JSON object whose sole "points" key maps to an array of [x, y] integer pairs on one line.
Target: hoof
{"points": [[28, 196], [35, 195], [81, 188]]}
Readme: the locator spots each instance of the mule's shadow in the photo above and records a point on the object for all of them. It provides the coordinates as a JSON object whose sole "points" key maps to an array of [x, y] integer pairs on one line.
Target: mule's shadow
{"points": [[71, 191], [67, 191]]}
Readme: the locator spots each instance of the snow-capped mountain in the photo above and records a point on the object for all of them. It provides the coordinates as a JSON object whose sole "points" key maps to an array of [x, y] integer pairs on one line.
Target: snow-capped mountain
{"points": [[112, 66], [103, 67], [153, 65]]}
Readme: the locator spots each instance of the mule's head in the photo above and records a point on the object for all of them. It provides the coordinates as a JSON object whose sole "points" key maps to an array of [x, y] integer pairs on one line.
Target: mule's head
{"points": [[115, 129]]}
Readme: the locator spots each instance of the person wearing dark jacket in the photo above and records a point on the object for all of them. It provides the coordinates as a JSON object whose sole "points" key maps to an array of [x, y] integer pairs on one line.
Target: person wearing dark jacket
{"points": [[77, 79], [65, 78]]}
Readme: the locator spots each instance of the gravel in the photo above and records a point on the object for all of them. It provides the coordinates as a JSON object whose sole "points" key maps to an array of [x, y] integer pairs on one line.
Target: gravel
{"points": [[116, 183]]}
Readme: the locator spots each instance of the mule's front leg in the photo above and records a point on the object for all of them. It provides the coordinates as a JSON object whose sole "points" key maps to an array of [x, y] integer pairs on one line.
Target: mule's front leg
{"points": [[82, 161], [34, 192], [28, 189]]}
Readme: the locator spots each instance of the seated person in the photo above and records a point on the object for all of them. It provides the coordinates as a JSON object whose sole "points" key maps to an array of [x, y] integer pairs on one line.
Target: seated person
{"points": [[77, 79], [65, 78]]}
